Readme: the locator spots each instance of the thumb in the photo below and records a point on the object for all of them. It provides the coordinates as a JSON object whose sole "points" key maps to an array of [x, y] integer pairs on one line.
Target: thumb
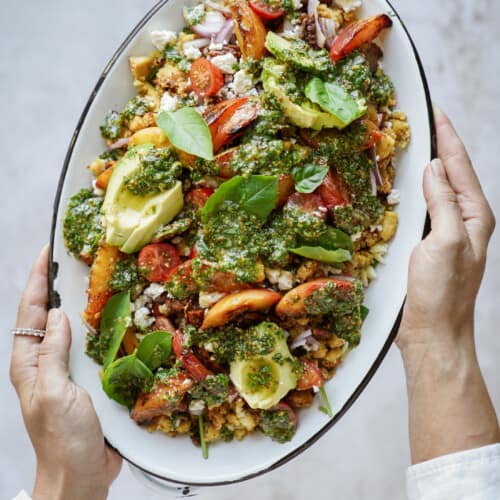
{"points": [[54, 350], [442, 203]]}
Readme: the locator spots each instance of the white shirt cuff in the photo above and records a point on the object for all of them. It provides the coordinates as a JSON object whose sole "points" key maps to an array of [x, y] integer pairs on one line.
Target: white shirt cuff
{"points": [[467, 475]]}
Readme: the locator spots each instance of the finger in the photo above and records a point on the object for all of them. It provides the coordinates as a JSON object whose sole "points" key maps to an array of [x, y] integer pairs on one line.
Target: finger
{"points": [[32, 314], [53, 357], [476, 212], [442, 204], [114, 461]]}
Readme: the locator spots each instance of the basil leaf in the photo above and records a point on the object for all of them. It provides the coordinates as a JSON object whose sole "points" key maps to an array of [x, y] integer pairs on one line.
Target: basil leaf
{"points": [[363, 310], [332, 239], [309, 177], [154, 349], [125, 378], [334, 99], [322, 255], [187, 130], [259, 195], [256, 195], [115, 319]]}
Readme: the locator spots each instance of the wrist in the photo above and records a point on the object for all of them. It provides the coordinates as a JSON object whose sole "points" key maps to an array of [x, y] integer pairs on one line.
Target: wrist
{"points": [[61, 485]]}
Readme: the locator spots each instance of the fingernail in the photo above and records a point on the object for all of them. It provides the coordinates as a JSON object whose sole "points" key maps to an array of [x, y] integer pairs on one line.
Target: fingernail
{"points": [[437, 110], [54, 317], [438, 169]]}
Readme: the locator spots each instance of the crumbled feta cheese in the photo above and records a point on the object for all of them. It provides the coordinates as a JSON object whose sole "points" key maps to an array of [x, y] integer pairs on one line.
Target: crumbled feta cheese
{"points": [[349, 5], [356, 236], [97, 191], [169, 102], [206, 299], [215, 46], [141, 301], [161, 38], [378, 251], [284, 279], [143, 318], [225, 62], [273, 275], [375, 227], [393, 197], [196, 407], [154, 290], [191, 52], [242, 82]]}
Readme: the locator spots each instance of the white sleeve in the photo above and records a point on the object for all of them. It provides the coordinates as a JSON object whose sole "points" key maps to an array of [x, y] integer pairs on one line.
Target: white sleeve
{"points": [[22, 496], [467, 475]]}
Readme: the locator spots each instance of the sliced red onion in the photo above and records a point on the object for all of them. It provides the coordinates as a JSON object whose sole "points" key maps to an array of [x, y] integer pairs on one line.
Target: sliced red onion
{"points": [[306, 340], [218, 7], [374, 183], [225, 33], [376, 169], [211, 25], [197, 44], [313, 343], [312, 8], [329, 30], [120, 143]]}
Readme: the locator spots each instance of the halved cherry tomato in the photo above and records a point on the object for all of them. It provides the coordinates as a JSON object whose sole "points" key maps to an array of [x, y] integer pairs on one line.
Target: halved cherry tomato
{"points": [[266, 11], [311, 376], [223, 161], [189, 361], [199, 196], [206, 78], [356, 34], [228, 125], [157, 261], [181, 276], [312, 202], [331, 191]]}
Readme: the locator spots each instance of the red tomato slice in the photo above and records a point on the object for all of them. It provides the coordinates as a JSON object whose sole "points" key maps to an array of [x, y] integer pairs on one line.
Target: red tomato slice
{"points": [[265, 11], [157, 261], [356, 34], [331, 191], [373, 135], [199, 196], [311, 377], [311, 202], [206, 78], [189, 361]]}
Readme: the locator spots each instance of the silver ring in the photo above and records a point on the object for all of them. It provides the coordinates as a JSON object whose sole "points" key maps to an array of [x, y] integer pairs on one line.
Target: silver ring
{"points": [[35, 332]]}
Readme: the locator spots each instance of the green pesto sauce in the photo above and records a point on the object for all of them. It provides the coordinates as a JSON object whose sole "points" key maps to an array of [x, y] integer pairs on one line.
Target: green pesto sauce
{"points": [[214, 390], [125, 274], [308, 225], [93, 349], [277, 424], [137, 106], [278, 236], [381, 89], [168, 231], [180, 284], [231, 238], [114, 121], [261, 376], [82, 224], [159, 171]]}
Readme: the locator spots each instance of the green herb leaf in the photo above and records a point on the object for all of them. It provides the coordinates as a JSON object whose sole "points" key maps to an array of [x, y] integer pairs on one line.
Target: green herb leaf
{"points": [[363, 310], [331, 239], [125, 378], [154, 349], [256, 195], [309, 177], [188, 131], [334, 99], [322, 255], [327, 408], [203, 443], [115, 319]]}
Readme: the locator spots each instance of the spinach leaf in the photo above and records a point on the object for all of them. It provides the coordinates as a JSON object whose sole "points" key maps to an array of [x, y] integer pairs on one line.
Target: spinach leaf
{"points": [[309, 177], [322, 254], [125, 378], [116, 318], [154, 349], [256, 195], [334, 99], [188, 131]]}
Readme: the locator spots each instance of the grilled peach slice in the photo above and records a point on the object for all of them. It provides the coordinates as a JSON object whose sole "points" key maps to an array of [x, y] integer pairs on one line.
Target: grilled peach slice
{"points": [[285, 189], [249, 30], [130, 341], [356, 34], [102, 180], [163, 399], [235, 304], [99, 292], [293, 303]]}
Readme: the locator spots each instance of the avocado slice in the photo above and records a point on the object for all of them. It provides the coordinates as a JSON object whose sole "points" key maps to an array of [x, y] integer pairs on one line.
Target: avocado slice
{"points": [[132, 220], [267, 374], [298, 54], [304, 115]]}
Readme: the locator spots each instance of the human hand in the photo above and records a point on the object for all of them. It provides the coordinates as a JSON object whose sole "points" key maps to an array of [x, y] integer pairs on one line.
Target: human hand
{"points": [[447, 267], [73, 461]]}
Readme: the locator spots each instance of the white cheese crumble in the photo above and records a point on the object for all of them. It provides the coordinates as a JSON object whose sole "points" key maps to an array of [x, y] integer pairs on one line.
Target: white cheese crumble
{"points": [[154, 290], [196, 407], [215, 46], [143, 318], [349, 5], [169, 102], [242, 82], [284, 279], [206, 299], [225, 62], [191, 52], [141, 301], [297, 4], [97, 191], [393, 197], [161, 38]]}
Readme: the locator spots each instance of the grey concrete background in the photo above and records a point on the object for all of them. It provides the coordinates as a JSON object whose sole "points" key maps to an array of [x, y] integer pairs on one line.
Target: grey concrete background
{"points": [[51, 54]]}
